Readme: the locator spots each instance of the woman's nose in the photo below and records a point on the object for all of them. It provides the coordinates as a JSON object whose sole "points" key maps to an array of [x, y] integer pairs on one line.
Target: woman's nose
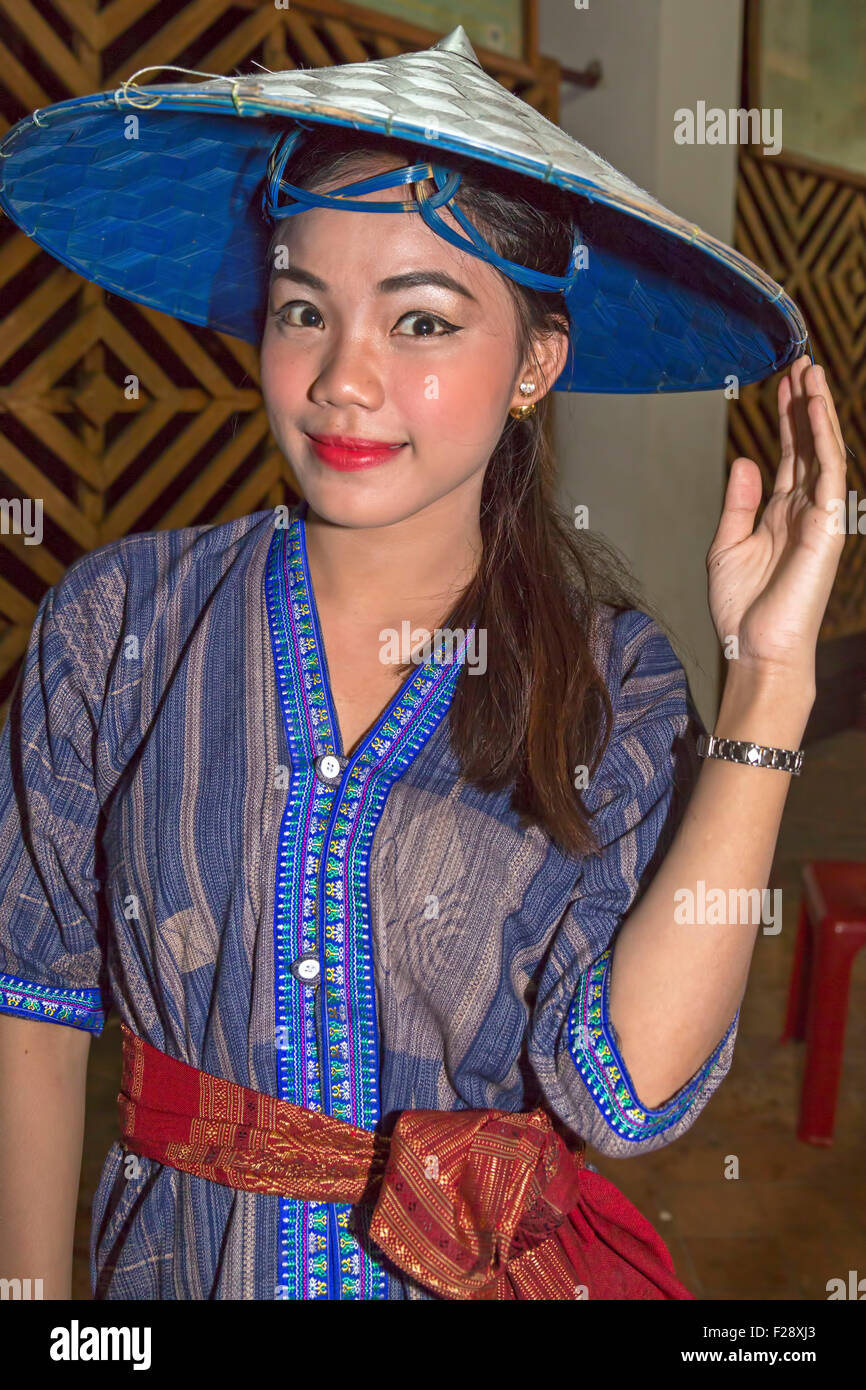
{"points": [[348, 373]]}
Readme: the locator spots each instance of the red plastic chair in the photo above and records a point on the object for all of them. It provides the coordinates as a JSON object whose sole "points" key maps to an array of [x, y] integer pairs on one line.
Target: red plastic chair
{"points": [[830, 931]]}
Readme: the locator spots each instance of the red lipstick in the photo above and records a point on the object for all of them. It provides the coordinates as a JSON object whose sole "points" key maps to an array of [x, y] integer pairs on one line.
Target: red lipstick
{"points": [[348, 452]]}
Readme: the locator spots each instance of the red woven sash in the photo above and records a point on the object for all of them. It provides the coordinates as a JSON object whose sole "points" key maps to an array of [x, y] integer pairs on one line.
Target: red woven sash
{"points": [[473, 1204]]}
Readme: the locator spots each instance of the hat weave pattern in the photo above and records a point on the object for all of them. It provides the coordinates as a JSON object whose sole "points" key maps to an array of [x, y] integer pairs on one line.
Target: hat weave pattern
{"points": [[171, 217]]}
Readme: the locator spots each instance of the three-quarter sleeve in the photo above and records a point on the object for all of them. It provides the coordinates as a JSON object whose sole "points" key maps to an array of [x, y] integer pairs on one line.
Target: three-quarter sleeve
{"points": [[51, 959], [637, 797]]}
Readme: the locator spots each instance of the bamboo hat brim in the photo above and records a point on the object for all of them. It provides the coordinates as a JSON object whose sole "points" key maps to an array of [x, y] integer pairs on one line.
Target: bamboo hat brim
{"points": [[172, 217]]}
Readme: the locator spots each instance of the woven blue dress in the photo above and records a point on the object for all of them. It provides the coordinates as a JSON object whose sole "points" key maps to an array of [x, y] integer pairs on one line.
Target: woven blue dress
{"points": [[174, 839]]}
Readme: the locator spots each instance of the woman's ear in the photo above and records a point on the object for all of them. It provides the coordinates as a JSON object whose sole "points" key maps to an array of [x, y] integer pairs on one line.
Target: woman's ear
{"points": [[543, 369]]}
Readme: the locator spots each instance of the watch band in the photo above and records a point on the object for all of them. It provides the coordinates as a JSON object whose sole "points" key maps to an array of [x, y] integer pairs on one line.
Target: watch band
{"points": [[737, 750]]}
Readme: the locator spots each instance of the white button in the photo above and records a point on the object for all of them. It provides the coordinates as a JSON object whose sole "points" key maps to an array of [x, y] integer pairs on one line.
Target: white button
{"points": [[306, 968], [328, 767]]}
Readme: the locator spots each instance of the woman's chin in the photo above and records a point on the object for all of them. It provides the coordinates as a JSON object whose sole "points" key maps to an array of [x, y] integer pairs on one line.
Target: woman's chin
{"points": [[350, 499]]}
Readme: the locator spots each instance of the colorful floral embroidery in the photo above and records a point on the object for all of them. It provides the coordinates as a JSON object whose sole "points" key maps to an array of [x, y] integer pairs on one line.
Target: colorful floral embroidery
{"points": [[80, 1008], [597, 1058]]}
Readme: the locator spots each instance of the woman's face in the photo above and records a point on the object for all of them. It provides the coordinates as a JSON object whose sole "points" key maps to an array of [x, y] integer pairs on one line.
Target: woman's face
{"points": [[350, 348]]}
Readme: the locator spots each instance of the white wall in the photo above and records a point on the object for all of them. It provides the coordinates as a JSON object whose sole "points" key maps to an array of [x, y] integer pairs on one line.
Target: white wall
{"points": [[651, 468]]}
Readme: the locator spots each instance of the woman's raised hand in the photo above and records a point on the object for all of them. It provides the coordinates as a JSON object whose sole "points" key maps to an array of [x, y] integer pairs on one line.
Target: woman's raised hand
{"points": [[769, 584]]}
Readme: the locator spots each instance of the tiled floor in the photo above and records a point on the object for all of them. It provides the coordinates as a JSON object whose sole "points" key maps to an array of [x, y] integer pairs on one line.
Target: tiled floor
{"points": [[796, 1215]]}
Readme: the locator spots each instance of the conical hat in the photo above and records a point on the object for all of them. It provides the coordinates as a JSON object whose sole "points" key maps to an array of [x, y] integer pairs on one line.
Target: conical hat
{"points": [[155, 192]]}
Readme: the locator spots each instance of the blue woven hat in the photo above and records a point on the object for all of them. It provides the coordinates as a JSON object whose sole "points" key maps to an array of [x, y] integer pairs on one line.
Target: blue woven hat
{"points": [[167, 195]]}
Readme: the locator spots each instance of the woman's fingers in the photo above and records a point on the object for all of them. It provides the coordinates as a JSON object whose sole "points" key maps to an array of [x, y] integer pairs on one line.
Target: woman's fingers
{"points": [[742, 499], [800, 396], [805, 452], [819, 377], [784, 480], [830, 480]]}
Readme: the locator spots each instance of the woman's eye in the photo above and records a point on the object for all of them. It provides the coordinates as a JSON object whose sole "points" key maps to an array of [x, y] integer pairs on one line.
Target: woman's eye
{"points": [[283, 313], [423, 317], [306, 315]]}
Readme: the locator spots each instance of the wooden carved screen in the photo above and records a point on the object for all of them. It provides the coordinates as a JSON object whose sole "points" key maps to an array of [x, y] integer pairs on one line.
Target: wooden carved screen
{"points": [[807, 228], [805, 223], [195, 446]]}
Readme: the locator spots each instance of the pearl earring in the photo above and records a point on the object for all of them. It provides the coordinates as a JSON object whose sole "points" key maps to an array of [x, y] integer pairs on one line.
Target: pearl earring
{"points": [[520, 412]]}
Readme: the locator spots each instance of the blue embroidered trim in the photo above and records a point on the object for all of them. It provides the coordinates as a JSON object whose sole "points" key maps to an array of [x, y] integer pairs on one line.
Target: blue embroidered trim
{"points": [[325, 838], [80, 1008], [597, 1058], [303, 1253]]}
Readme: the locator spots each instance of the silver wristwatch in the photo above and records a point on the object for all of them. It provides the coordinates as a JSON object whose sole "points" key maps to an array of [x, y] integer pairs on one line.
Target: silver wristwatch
{"points": [[737, 750]]}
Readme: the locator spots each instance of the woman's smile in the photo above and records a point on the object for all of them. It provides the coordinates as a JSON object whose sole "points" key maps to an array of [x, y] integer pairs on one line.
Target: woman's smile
{"points": [[348, 453]]}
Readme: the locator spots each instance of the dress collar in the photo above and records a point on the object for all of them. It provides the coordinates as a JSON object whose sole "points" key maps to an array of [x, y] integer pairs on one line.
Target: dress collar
{"points": [[302, 670]]}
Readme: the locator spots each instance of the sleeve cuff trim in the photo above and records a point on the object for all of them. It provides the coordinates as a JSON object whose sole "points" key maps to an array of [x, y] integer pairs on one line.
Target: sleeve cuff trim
{"points": [[595, 1054], [80, 1008]]}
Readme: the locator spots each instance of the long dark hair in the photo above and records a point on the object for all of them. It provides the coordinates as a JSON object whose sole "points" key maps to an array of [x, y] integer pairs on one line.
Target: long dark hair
{"points": [[543, 709]]}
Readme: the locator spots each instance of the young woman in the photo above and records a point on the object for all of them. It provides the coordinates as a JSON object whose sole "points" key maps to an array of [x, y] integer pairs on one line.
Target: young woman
{"points": [[370, 819]]}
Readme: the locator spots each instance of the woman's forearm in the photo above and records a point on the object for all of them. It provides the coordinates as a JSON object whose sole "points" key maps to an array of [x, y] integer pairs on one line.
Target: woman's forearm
{"points": [[675, 986], [43, 1073]]}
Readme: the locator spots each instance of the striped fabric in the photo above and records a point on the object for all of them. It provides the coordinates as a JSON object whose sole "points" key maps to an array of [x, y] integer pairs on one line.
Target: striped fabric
{"points": [[174, 840]]}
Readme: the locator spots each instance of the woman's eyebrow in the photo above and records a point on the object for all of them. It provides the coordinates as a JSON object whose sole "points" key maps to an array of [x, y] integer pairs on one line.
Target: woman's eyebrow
{"points": [[408, 280], [411, 279]]}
